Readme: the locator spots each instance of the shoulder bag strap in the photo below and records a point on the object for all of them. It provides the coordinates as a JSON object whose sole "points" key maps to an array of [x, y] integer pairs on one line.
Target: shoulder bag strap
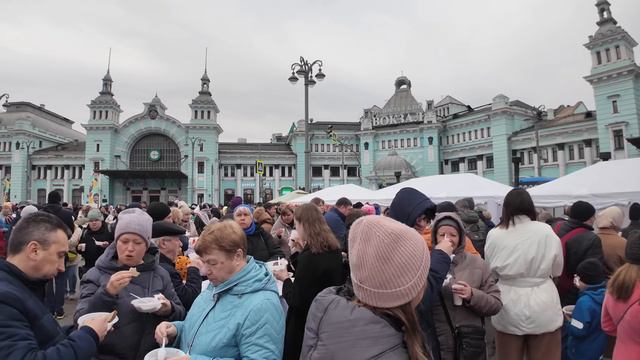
{"points": [[446, 314], [625, 312]]}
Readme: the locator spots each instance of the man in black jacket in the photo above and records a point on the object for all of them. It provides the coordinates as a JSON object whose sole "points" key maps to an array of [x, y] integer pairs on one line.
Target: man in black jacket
{"points": [[36, 253], [57, 287], [580, 243], [166, 236]]}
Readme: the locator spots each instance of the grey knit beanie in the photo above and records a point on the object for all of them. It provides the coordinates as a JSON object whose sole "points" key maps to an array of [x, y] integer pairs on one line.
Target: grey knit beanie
{"points": [[134, 221]]}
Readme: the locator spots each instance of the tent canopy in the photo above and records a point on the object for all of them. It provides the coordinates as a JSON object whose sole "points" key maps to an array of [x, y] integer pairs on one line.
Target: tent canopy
{"points": [[289, 196], [330, 195], [602, 184], [450, 187]]}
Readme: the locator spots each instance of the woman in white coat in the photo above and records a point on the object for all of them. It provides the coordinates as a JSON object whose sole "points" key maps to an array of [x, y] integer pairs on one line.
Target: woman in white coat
{"points": [[525, 255]]}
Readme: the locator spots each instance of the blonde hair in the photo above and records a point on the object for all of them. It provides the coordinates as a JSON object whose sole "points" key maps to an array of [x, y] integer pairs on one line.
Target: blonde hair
{"points": [[225, 236], [176, 215], [624, 281]]}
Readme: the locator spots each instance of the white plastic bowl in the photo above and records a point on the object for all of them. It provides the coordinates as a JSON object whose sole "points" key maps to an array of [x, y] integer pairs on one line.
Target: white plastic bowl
{"points": [[146, 305], [171, 352], [568, 309], [86, 317]]}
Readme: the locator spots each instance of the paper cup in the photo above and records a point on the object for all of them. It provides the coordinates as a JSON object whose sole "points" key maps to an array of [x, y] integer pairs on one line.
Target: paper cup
{"points": [[82, 319], [170, 352], [568, 310], [457, 300]]}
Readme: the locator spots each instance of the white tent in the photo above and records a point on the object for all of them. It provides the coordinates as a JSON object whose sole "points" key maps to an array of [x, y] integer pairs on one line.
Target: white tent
{"points": [[330, 195], [603, 184], [289, 196], [449, 187]]}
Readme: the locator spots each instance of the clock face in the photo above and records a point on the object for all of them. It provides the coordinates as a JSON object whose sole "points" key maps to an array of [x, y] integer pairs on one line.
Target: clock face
{"points": [[154, 155]]}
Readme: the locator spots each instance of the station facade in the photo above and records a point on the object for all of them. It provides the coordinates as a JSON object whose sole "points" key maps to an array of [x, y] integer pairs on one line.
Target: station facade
{"points": [[153, 156]]}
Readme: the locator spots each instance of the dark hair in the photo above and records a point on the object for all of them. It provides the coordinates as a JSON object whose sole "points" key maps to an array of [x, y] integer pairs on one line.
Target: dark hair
{"points": [[517, 202], [54, 197], [354, 215], [268, 206], [36, 227], [343, 201]]}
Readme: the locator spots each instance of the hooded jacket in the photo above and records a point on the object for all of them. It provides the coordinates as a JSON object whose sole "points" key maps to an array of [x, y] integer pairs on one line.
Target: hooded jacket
{"points": [[337, 328], [485, 300], [282, 241], [586, 245], [585, 338], [241, 318], [132, 336], [92, 252], [613, 246], [408, 205], [262, 246], [336, 221], [27, 329], [475, 228]]}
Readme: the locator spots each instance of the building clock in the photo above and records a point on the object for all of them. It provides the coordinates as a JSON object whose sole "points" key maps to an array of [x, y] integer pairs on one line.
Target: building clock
{"points": [[154, 155]]}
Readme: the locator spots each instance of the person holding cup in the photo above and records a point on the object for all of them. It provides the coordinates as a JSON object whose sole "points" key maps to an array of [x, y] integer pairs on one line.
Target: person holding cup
{"points": [[469, 293]]}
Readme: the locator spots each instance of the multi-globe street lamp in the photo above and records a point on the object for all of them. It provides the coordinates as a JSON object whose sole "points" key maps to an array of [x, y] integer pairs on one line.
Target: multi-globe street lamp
{"points": [[304, 70]]}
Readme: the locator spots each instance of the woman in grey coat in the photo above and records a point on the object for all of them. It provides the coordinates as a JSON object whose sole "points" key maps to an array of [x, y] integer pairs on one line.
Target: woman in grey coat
{"points": [[470, 292], [110, 284], [374, 318]]}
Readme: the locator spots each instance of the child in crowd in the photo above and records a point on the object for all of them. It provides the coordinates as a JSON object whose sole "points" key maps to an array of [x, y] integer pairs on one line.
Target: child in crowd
{"points": [[585, 339]]}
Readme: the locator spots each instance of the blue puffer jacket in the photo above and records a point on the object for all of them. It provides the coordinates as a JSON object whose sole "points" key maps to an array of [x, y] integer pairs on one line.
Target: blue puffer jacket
{"points": [[336, 221], [239, 319], [27, 329], [585, 338]]}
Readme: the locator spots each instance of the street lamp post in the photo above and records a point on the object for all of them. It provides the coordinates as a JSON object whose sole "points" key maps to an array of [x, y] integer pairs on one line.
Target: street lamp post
{"points": [[304, 70], [26, 145], [193, 140]]}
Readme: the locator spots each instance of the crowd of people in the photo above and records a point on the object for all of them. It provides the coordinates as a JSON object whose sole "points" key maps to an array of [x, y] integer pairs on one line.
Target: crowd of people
{"points": [[412, 280]]}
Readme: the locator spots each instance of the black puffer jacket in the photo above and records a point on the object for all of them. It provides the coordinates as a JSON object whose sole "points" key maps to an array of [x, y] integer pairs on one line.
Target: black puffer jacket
{"points": [[409, 204], [586, 245], [65, 215], [262, 247]]}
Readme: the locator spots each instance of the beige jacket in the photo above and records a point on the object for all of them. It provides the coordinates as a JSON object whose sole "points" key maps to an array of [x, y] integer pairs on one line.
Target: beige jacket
{"points": [[613, 246]]}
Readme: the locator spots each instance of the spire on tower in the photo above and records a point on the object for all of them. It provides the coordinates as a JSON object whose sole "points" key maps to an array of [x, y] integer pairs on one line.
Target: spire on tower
{"points": [[106, 80], [204, 80]]}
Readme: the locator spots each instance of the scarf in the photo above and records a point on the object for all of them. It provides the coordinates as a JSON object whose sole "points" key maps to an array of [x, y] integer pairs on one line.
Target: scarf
{"points": [[251, 229]]}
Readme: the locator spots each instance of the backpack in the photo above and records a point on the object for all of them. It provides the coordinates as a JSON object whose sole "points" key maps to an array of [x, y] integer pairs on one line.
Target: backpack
{"points": [[478, 237]]}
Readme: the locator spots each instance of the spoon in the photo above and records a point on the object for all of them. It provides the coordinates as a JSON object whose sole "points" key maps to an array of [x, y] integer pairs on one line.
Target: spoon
{"points": [[162, 353], [135, 296]]}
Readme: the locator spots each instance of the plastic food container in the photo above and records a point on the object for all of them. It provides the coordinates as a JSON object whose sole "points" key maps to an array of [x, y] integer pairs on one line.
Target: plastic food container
{"points": [[86, 317]]}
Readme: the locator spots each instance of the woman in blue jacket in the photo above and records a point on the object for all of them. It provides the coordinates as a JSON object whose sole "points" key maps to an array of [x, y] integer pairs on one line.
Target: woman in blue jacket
{"points": [[239, 315]]}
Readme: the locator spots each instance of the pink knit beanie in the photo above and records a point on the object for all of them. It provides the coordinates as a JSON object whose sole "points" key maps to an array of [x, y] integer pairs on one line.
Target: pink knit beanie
{"points": [[389, 261]]}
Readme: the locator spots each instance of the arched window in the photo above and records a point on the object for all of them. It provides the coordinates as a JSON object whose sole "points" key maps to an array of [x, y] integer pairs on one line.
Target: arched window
{"points": [[155, 152]]}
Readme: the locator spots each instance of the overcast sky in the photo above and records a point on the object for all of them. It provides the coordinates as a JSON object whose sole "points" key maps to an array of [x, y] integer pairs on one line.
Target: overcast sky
{"points": [[55, 53]]}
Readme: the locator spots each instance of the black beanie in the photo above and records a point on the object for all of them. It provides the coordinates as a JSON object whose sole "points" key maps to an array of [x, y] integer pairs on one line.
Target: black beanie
{"points": [[446, 206], [158, 211], [634, 212], [582, 211], [632, 250], [591, 272]]}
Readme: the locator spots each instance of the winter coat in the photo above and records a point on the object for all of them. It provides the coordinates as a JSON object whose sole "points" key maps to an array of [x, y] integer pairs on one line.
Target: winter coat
{"points": [[475, 228], [314, 273], [585, 338], [525, 257], [408, 205], [626, 328], [336, 221], [633, 225], [132, 336], [239, 319], [63, 214], [338, 328], [187, 290], [485, 300], [263, 219], [92, 251], [613, 246], [586, 245], [283, 240], [263, 247], [27, 329]]}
